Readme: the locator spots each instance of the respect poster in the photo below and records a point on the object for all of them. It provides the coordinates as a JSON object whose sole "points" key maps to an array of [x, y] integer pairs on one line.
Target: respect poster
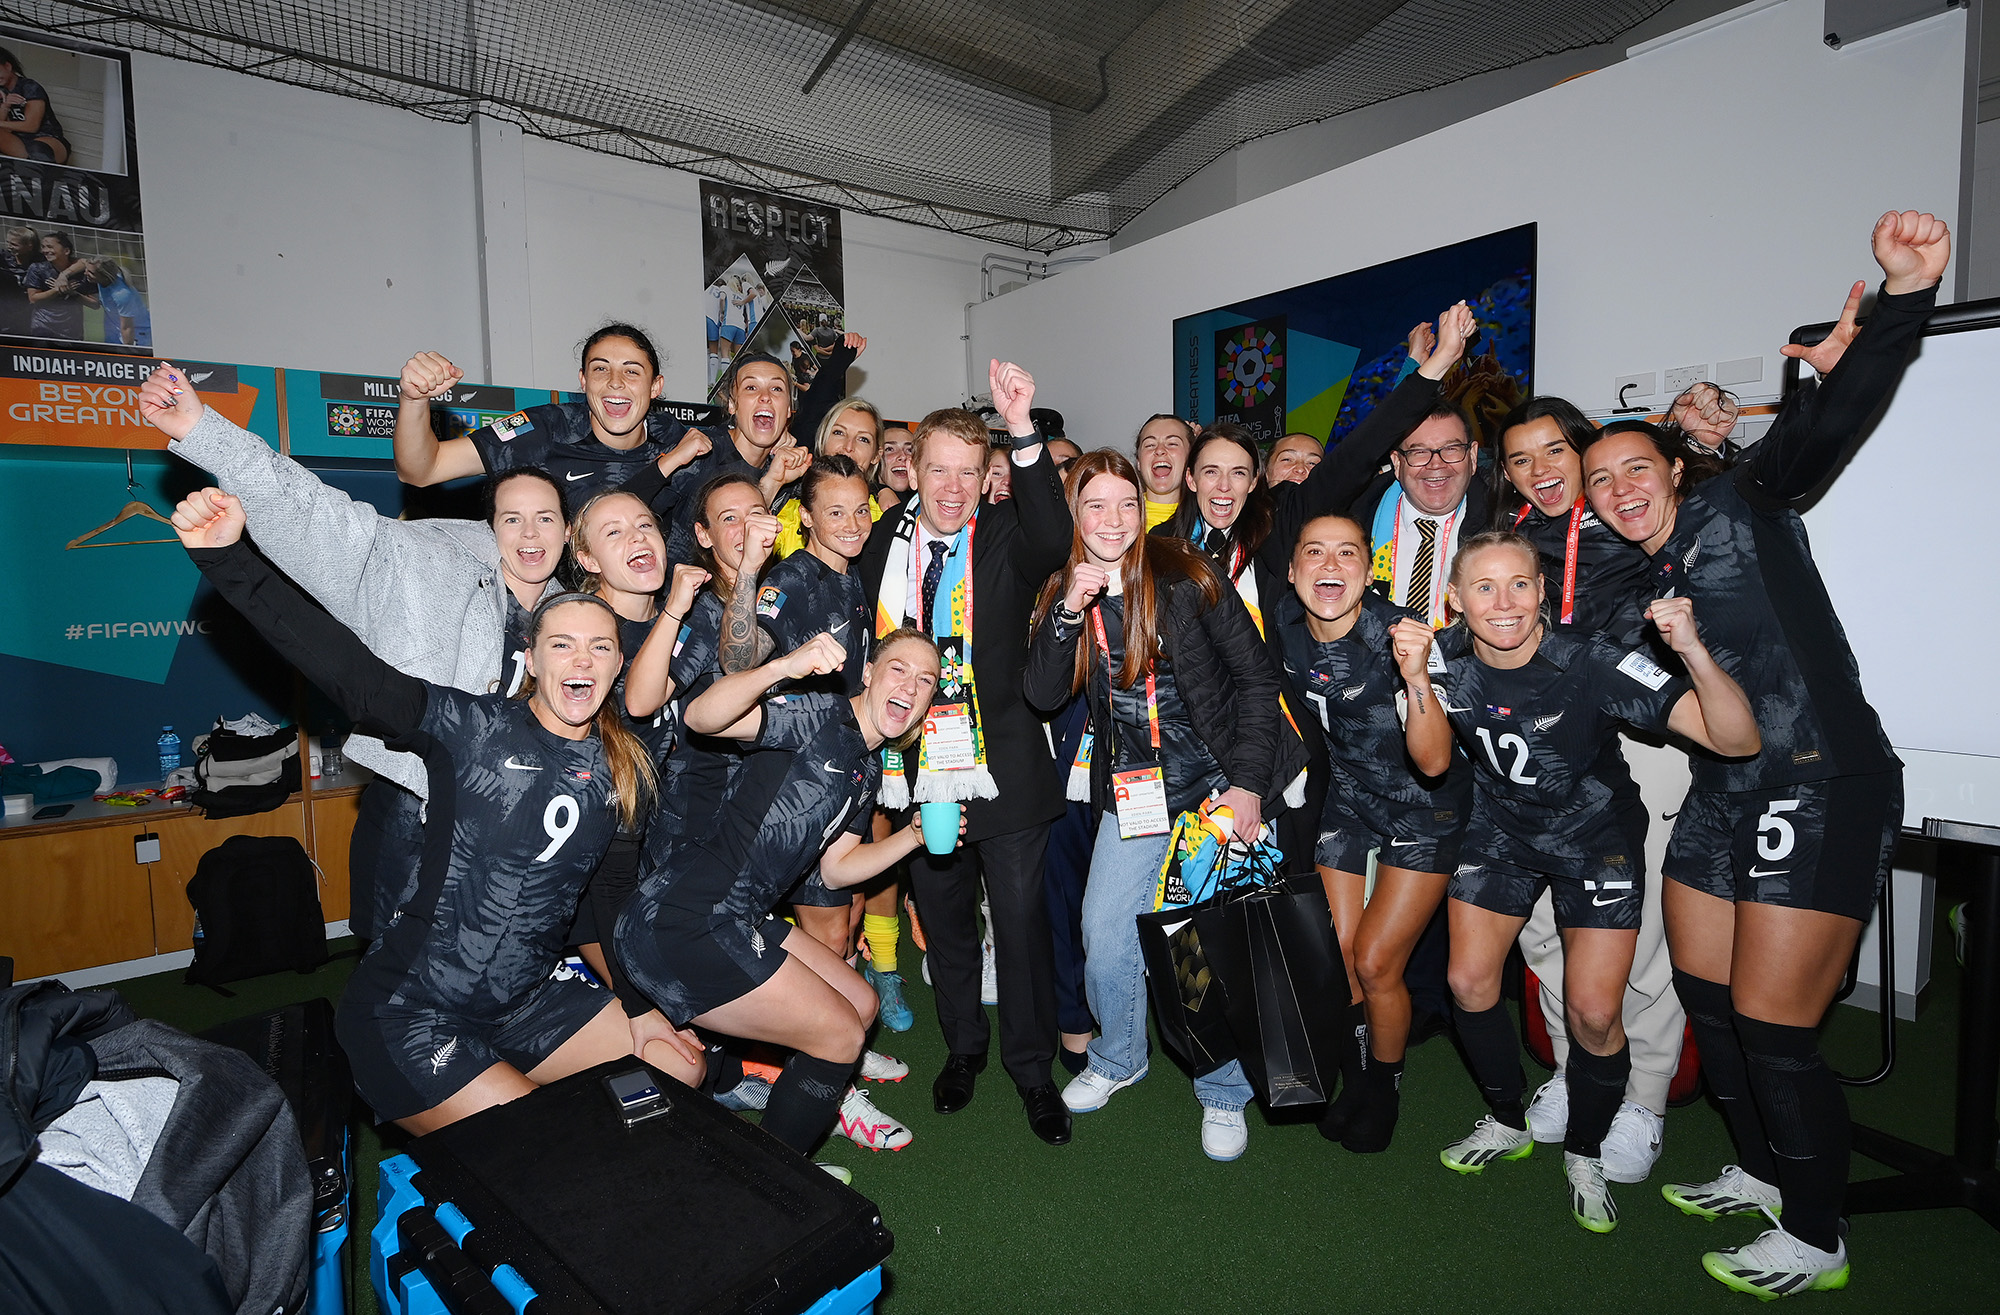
{"points": [[772, 280]]}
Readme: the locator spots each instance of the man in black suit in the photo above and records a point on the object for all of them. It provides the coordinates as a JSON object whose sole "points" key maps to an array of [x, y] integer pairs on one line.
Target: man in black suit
{"points": [[1014, 547]]}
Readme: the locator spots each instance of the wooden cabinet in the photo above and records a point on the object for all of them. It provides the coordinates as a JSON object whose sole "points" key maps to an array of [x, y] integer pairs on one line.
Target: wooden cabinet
{"points": [[73, 894], [73, 898]]}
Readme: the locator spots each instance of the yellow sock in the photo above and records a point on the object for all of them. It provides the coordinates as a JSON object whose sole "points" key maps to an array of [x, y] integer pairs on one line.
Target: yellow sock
{"points": [[882, 930]]}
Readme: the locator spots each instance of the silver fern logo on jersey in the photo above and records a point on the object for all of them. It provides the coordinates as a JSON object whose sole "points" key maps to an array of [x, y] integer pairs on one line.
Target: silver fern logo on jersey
{"points": [[443, 1055], [1548, 722]]}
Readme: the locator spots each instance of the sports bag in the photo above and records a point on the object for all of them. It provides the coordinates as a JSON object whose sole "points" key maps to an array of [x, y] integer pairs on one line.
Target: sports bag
{"points": [[257, 911]]}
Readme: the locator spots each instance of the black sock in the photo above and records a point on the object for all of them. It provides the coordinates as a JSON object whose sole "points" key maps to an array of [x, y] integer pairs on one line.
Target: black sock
{"points": [[1596, 1086], [1354, 1065], [805, 1099], [1385, 1075], [1806, 1113], [725, 1071], [1495, 1055], [1722, 1067]]}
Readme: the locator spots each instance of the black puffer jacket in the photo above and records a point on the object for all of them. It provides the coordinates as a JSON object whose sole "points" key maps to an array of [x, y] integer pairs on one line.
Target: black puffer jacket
{"points": [[1225, 678]]}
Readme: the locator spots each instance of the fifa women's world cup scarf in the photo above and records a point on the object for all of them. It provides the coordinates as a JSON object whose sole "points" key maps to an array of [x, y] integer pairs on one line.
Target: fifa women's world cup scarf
{"points": [[951, 757]]}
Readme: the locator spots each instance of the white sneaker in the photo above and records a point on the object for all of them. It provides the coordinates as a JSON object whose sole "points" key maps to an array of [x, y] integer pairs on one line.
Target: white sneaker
{"points": [[1733, 1192], [1632, 1147], [1489, 1140], [864, 1125], [1091, 1090], [1548, 1112], [927, 970], [839, 1174], [1778, 1265], [1589, 1195], [877, 1067], [989, 976], [1225, 1134]]}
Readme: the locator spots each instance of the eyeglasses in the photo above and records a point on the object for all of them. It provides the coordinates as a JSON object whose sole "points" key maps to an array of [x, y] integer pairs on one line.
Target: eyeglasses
{"points": [[1419, 457]]}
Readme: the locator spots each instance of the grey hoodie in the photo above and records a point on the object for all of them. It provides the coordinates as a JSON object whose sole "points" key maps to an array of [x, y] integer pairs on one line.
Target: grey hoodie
{"points": [[425, 595]]}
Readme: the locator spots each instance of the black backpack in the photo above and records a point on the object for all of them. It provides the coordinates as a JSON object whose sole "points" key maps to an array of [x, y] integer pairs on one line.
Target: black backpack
{"points": [[257, 911], [237, 775]]}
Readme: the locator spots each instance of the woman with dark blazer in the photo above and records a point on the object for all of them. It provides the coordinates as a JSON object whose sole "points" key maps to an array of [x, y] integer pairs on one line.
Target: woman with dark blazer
{"points": [[1184, 710]]}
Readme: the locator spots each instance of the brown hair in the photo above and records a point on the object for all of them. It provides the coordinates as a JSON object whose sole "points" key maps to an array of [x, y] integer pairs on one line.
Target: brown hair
{"points": [[1672, 447], [960, 423], [882, 646], [634, 779], [1153, 560], [704, 557], [1253, 522]]}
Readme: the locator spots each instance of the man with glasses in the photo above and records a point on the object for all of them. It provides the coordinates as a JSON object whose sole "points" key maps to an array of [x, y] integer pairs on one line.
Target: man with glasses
{"points": [[1420, 518]]}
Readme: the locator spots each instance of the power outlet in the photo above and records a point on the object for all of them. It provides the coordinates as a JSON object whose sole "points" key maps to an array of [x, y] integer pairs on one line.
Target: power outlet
{"points": [[146, 848], [1682, 376]]}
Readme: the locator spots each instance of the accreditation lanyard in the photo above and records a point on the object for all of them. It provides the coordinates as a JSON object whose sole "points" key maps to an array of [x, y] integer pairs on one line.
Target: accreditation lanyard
{"points": [[1152, 695], [1433, 609], [917, 539], [1569, 556]]}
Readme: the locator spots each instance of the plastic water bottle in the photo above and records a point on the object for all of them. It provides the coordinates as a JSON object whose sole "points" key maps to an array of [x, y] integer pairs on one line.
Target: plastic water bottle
{"points": [[170, 751]]}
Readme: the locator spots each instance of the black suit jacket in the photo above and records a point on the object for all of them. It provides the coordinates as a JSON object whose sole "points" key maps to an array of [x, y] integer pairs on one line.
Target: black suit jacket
{"points": [[1016, 546]]}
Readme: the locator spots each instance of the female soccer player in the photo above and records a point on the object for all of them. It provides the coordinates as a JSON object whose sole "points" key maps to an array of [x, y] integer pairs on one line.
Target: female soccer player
{"points": [[453, 1009], [1205, 727], [1554, 808], [1334, 633], [1775, 862], [700, 938], [853, 430]]}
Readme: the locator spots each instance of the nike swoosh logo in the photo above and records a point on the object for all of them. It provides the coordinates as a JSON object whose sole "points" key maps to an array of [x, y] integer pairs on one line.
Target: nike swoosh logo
{"points": [[1598, 901], [1401, 844], [837, 629], [1774, 872], [521, 767], [828, 766], [572, 478]]}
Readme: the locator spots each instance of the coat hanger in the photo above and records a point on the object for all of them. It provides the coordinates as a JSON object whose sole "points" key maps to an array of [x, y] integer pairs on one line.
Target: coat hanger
{"points": [[125, 513]]}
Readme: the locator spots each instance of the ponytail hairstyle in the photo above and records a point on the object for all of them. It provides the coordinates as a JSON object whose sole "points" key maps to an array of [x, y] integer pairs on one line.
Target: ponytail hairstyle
{"points": [[1673, 448], [1501, 539], [634, 780], [1149, 567], [579, 530], [820, 471], [1577, 431], [900, 635], [636, 336], [1253, 522], [704, 557]]}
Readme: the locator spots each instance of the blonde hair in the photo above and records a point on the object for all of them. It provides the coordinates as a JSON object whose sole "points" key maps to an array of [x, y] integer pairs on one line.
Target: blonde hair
{"points": [[840, 409], [882, 647], [587, 581]]}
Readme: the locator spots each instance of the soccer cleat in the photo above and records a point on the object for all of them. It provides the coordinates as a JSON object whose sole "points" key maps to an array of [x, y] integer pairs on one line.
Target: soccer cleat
{"points": [[877, 1067], [1490, 1140], [1091, 1090], [1225, 1134], [1548, 1112], [752, 1093], [1589, 1194], [893, 1010], [1632, 1146], [843, 1176], [866, 1126], [1778, 1265], [1733, 1192]]}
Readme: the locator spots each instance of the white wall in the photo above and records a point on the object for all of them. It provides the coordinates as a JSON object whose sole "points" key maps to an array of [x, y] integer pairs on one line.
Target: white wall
{"points": [[1791, 149], [291, 227]]}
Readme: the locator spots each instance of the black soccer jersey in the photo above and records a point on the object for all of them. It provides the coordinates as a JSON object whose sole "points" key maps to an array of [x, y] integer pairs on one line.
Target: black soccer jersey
{"points": [[1613, 575], [558, 438], [697, 651], [1543, 738], [679, 502], [527, 815], [1353, 687], [801, 597], [808, 778]]}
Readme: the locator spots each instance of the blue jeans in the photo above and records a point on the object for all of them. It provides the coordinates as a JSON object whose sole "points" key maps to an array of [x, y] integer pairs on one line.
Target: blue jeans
{"points": [[1122, 877]]}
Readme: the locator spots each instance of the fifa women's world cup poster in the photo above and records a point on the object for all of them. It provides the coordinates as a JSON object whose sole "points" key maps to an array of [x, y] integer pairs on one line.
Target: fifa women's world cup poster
{"points": [[772, 277], [1316, 358], [73, 248]]}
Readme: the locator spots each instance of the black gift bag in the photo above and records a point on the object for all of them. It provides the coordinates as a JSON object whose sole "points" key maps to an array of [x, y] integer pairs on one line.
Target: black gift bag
{"points": [[1284, 986], [1188, 1005]]}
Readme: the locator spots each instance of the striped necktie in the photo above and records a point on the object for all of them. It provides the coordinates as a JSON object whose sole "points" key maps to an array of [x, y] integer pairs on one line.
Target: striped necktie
{"points": [[1417, 591]]}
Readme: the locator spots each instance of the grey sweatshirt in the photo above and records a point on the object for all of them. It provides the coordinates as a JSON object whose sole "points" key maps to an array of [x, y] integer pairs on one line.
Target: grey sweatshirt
{"points": [[425, 595]]}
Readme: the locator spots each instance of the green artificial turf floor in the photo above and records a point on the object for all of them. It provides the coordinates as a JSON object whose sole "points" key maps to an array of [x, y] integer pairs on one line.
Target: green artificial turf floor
{"points": [[1131, 1217]]}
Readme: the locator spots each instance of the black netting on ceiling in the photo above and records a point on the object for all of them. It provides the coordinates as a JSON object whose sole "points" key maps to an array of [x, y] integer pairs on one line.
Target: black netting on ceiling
{"points": [[1029, 122]]}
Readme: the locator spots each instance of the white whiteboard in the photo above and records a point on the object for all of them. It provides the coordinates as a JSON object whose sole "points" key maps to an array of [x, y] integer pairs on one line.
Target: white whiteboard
{"points": [[1907, 539]]}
